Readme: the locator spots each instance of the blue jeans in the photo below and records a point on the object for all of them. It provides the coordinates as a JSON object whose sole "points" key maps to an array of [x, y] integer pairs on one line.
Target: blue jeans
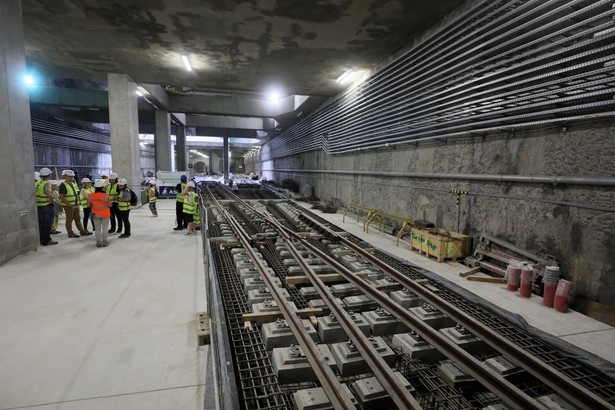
{"points": [[45, 220]]}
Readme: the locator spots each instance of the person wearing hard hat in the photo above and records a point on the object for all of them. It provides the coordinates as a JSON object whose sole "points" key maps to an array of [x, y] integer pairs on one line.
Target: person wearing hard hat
{"points": [[44, 207], [37, 176], [100, 204], [69, 196], [190, 207], [179, 204], [152, 198], [57, 207], [86, 189], [112, 191], [124, 206]]}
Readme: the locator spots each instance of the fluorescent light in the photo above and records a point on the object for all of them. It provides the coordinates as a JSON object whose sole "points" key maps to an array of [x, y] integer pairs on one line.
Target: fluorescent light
{"points": [[345, 76], [274, 96], [186, 62], [29, 80], [139, 93]]}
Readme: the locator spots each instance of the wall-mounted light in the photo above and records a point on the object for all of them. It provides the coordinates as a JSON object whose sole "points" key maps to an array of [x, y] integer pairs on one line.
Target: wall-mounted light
{"points": [[139, 93], [186, 62], [345, 76]]}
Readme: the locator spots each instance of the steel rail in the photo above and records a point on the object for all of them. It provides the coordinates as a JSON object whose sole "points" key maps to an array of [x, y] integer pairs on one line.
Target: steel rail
{"points": [[508, 392], [381, 370], [564, 386], [391, 383], [333, 388]]}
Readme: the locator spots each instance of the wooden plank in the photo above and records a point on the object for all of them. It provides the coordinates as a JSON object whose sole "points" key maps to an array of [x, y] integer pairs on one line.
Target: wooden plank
{"points": [[488, 280], [326, 278], [469, 272], [599, 311], [271, 316]]}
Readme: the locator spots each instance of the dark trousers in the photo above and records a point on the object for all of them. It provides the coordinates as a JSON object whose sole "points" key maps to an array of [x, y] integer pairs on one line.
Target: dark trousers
{"points": [[45, 220], [179, 214], [87, 212], [115, 217], [123, 219], [152, 208]]}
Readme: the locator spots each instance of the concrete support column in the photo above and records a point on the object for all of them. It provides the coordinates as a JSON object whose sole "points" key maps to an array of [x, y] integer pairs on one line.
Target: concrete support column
{"points": [[225, 158], [180, 140], [18, 213], [210, 154], [162, 141], [124, 124]]}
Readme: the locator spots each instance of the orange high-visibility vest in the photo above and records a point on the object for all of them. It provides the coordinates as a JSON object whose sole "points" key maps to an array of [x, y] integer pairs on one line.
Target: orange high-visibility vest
{"points": [[100, 204]]}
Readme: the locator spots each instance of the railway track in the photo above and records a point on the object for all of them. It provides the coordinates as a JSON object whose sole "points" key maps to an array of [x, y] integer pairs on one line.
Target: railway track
{"points": [[298, 241]]}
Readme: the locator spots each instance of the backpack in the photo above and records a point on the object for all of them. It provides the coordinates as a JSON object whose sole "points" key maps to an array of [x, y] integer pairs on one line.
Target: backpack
{"points": [[133, 198]]}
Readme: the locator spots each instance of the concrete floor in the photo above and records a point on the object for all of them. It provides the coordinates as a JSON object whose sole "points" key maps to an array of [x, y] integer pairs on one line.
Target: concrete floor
{"points": [[114, 328], [105, 328], [589, 334]]}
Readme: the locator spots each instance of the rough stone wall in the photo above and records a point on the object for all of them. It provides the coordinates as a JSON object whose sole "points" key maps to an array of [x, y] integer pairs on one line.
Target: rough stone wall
{"points": [[567, 221]]}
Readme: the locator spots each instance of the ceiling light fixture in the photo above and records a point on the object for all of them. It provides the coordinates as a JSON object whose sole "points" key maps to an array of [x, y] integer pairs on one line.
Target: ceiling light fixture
{"points": [[139, 93], [186, 62], [345, 76]]}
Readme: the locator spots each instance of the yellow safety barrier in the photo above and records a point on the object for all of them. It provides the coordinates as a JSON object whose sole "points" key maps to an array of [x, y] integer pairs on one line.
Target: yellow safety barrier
{"points": [[375, 216], [357, 210]]}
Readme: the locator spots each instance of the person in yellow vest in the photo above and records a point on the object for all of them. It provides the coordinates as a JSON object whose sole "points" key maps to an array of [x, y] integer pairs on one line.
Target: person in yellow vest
{"points": [[123, 206], [101, 210], [179, 204], [151, 194], [69, 196], [86, 189], [44, 207], [111, 189], [190, 206], [57, 207], [197, 218]]}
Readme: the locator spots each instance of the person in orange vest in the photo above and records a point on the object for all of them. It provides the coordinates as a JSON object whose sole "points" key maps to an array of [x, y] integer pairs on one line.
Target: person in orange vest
{"points": [[100, 205]]}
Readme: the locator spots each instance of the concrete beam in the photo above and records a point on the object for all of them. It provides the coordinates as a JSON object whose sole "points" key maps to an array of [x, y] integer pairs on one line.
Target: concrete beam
{"points": [[157, 95], [221, 121], [231, 105]]}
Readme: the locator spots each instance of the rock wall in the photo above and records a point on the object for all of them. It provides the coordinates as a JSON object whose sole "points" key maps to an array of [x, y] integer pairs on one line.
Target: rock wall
{"points": [[574, 223]]}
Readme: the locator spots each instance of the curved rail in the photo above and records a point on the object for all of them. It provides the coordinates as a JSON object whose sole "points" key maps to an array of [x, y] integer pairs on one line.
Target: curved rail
{"points": [[570, 390], [333, 388]]}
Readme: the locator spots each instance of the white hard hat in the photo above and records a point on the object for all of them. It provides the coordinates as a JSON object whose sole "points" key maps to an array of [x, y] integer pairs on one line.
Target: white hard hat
{"points": [[99, 183], [191, 183], [53, 182], [68, 172], [84, 180], [104, 174], [37, 176], [45, 172], [113, 176], [122, 181]]}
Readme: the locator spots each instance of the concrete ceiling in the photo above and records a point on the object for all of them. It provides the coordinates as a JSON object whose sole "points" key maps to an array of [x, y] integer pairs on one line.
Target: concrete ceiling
{"points": [[240, 47]]}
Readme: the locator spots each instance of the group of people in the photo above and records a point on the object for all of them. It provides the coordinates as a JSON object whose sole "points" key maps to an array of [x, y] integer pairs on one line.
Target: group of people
{"points": [[106, 205], [106, 202], [186, 206]]}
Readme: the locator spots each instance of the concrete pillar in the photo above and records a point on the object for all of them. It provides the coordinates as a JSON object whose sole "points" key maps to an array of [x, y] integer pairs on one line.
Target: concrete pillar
{"points": [[124, 124], [210, 154], [180, 139], [225, 158], [162, 141], [18, 213]]}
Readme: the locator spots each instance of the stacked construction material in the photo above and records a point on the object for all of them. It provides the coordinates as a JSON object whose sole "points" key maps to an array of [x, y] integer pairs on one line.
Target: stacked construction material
{"points": [[550, 280]]}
